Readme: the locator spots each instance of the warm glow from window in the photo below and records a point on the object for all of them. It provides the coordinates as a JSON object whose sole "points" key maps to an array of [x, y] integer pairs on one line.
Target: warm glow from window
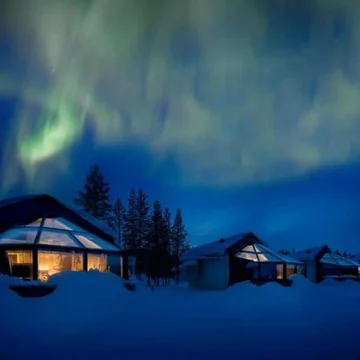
{"points": [[97, 262], [21, 264], [279, 271], [54, 262]]}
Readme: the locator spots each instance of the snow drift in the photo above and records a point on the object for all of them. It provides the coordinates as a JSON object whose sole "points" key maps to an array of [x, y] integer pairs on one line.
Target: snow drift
{"points": [[92, 315]]}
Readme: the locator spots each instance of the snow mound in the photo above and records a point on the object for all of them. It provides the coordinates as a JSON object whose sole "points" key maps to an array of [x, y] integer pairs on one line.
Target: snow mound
{"points": [[300, 281]]}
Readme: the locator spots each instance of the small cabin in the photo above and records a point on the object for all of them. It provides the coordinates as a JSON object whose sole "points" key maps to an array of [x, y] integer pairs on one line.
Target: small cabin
{"points": [[321, 263], [237, 258], [39, 237]]}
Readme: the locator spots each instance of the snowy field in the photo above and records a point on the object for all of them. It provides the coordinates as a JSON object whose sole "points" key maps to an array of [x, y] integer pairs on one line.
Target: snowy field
{"points": [[92, 316]]}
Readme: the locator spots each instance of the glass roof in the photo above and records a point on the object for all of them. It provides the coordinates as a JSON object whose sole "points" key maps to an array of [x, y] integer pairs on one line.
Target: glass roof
{"points": [[57, 238], [91, 241], [56, 232], [335, 259], [18, 236], [261, 253]]}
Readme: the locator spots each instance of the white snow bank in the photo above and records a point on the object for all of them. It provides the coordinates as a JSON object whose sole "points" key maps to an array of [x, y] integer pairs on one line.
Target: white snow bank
{"points": [[92, 315]]}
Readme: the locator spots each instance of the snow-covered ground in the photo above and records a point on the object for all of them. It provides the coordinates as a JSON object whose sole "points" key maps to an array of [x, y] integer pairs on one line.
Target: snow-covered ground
{"points": [[92, 316]]}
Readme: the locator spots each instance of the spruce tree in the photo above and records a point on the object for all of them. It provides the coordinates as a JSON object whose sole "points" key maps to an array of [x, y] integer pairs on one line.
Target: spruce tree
{"points": [[179, 236], [131, 223], [117, 220], [143, 219], [94, 198], [167, 230], [156, 227]]}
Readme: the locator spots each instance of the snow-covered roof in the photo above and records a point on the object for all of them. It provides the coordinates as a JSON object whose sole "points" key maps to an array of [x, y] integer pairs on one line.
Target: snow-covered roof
{"points": [[216, 248], [101, 224], [308, 254]]}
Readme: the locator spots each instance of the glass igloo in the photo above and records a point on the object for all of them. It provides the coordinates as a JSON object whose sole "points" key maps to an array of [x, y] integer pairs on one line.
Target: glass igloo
{"points": [[269, 264], [51, 245]]}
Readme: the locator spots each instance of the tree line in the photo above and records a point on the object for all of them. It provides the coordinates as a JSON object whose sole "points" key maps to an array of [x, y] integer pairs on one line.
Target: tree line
{"points": [[149, 231]]}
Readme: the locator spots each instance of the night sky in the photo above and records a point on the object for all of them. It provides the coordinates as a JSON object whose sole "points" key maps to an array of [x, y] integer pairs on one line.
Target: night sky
{"points": [[245, 114]]}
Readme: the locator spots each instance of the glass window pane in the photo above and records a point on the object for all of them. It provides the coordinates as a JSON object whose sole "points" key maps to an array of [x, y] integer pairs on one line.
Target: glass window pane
{"points": [[49, 237], [87, 242], [291, 270], [91, 241], [21, 264], [328, 259], [97, 262], [280, 271], [247, 256], [53, 262], [61, 224], [35, 223], [18, 236], [257, 248], [248, 248], [268, 271], [269, 257], [114, 264]]}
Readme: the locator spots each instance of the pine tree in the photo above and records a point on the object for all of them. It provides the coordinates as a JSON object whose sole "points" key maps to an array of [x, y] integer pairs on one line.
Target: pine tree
{"points": [[131, 223], [179, 236], [117, 220], [143, 219], [166, 231], [94, 198], [156, 227]]}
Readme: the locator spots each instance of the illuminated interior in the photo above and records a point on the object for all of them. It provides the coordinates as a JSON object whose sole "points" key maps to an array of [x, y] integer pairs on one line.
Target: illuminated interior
{"points": [[60, 233], [21, 263], [261, 253], [53, 262], [271, 263], [97, 262]]}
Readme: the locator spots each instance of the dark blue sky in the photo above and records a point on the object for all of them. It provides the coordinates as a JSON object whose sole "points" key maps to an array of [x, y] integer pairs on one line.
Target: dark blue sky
{"points": [[244, 115]]}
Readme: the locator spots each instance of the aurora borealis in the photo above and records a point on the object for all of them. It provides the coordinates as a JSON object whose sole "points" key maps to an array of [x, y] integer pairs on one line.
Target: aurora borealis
{"points": [[218, 97]]}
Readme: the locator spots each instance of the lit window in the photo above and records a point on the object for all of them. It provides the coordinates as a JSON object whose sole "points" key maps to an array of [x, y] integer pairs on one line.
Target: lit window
{"points": [[54, 262], [97, 262], [21, 263]]}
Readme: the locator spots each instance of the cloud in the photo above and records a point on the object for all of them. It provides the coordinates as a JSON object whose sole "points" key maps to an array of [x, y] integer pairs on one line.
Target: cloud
{"points": [[232, 91]]}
